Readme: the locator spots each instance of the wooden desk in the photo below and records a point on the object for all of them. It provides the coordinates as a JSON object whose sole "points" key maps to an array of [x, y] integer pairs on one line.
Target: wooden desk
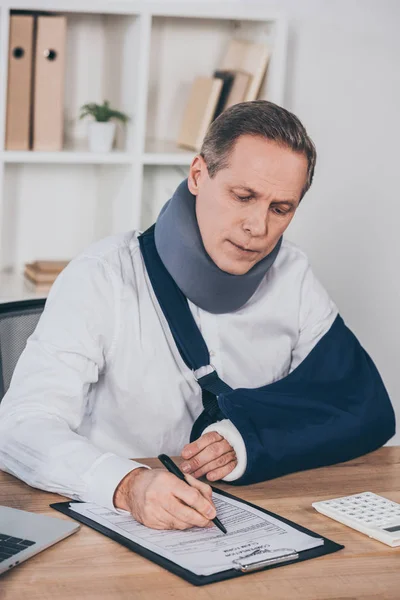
{"points": [[89, 566]]}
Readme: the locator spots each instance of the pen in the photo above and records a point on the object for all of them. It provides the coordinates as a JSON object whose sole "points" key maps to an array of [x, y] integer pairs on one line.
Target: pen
{"points": [[173, 468]]}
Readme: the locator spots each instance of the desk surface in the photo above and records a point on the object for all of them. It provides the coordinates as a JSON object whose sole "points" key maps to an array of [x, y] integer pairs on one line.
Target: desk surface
{"points": [[90, 566]]}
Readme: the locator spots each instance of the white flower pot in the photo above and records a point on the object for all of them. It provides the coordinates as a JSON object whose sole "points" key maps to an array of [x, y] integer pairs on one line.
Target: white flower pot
{"points": [[101, 136]]}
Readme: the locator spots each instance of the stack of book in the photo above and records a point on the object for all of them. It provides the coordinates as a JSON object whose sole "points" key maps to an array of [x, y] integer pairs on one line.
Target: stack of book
{"points": [[237, 79], [41, 274], [35, 84]]}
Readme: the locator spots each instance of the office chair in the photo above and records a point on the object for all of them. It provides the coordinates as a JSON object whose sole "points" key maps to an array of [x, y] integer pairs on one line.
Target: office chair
{"points": [[18, 321]]}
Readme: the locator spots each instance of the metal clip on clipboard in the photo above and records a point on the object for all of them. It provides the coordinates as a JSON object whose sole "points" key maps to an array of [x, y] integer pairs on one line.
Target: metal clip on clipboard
{"points": [[260, 559]]}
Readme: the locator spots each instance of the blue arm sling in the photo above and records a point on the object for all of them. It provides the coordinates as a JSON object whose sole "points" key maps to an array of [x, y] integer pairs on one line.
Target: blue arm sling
{"points": [[333, 407]]}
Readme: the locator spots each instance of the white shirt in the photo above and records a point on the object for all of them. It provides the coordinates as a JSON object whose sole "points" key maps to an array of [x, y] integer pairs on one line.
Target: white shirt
{"points": [[101, 380]]}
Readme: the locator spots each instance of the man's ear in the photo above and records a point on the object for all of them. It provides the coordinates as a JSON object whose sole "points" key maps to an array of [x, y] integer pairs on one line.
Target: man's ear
{"points": [[197, 171]]}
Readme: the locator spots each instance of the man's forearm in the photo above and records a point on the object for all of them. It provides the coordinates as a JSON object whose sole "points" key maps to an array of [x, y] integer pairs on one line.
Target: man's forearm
{"points": [[44, 452]]}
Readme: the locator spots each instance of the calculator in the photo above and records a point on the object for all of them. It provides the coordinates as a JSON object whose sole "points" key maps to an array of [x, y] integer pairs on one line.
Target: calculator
{"points": [[377, 517]]}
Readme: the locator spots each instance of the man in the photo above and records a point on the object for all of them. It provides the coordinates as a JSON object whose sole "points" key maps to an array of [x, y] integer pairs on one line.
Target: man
{"points": [[102, 380]]}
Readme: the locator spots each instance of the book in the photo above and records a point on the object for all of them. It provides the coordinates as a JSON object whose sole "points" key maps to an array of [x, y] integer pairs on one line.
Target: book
{"points": [[44, 272], [238, 91], [38, 288], [49, 266], [41, 278], [250, 57], [199, 111], [227, 78]]}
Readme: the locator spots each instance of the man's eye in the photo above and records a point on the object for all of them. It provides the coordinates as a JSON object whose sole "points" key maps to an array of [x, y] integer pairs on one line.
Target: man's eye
{"points": [[280, 212], [243, 198]]}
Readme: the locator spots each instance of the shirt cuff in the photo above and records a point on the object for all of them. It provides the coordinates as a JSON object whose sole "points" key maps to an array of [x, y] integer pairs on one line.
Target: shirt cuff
{"points": [[232, 435], [104, 477]]}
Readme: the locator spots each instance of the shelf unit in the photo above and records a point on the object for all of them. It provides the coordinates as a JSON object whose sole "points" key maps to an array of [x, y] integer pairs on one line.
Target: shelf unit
{"points": [[142, 56]]}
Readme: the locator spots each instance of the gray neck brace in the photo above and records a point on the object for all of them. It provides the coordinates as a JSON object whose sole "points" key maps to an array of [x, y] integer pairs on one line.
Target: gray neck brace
{"points": [[179, 244]]}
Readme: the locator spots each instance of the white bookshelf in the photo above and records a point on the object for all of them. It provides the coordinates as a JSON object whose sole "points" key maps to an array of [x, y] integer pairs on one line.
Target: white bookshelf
{"points": [[142, 56], [68, 157]]}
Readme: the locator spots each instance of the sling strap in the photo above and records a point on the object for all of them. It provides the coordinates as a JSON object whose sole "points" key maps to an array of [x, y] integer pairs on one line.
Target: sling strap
{"points": [[187, 336]]}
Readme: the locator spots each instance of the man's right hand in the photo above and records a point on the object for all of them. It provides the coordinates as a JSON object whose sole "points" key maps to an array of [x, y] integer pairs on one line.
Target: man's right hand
{"points": [[160, 500]]}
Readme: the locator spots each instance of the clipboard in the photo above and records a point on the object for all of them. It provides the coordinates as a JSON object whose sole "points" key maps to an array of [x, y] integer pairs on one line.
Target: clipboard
{"points": [[286, 559]]}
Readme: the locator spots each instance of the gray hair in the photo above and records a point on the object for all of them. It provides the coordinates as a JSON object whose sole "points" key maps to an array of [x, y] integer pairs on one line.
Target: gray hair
{"points": [[257, 118]]}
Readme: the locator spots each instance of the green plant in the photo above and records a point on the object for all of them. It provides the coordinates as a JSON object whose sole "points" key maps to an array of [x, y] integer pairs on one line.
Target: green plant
{"points": [[102, 112]]}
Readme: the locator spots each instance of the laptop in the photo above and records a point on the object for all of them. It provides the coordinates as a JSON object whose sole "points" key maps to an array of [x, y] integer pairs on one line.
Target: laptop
{"points": [[24, 534]]}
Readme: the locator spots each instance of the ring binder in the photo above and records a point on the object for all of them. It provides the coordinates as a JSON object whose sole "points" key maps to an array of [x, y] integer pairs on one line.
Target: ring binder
{"points": [[19, 83], [48, 102]]}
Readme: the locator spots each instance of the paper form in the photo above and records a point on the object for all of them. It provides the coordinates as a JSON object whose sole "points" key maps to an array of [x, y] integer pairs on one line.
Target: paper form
{"points": [[207, 550]]}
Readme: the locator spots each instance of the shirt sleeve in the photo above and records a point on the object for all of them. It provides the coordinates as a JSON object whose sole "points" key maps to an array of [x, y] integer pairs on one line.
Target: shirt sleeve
{"points": [[317, 313], [49, 392]]}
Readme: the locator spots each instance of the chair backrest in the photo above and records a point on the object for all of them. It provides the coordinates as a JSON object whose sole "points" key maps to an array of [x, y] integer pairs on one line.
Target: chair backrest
{"points": [[18, 321]]}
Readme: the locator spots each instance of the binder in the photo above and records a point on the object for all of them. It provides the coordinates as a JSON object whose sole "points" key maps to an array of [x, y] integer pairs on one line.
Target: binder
{"points": [[250, 57], [244, 569], [19, 84], [199, 112], [48, 98]]}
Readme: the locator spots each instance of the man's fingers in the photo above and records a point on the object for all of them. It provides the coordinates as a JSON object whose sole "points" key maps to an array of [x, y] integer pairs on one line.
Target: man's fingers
{"points": [[186, 514], [171, 521], [204, 488], [193, 497], [221, 472], [207, 455], [221, 461], [205, 440]]}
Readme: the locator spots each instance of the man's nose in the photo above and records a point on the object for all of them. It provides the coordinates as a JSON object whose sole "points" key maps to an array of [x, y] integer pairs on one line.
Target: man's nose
{"points": [[257, 223]]}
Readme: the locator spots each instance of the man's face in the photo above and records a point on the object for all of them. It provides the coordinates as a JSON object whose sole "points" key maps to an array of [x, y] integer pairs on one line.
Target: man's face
{"points": [[243, 211]]}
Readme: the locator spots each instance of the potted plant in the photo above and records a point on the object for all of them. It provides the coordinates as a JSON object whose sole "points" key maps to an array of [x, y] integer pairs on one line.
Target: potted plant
{"points": [[102, 128]]}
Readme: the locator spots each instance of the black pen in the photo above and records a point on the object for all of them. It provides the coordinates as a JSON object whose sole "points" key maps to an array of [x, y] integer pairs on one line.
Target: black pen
{"points": [[173, 468]]}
